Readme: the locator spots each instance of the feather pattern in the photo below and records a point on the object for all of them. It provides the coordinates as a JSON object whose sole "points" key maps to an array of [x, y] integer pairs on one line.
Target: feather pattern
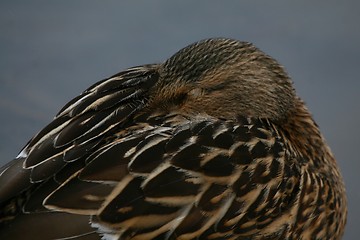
{"points": [[116, 163]]}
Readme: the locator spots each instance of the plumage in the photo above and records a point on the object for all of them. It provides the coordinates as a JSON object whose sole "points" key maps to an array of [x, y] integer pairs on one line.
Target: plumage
{"points": [[213, 143]]}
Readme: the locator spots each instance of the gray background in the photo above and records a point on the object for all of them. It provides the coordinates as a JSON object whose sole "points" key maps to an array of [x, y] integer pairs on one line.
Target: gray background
{"points": [[52, 50]]}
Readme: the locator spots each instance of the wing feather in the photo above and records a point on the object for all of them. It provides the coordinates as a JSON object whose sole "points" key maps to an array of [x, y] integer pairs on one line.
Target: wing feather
{"points": [[167, 176], [61, 149]]}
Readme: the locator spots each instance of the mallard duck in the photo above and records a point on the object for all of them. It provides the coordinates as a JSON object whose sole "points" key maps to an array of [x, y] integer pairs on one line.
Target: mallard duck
{"points": [[213, 143]]}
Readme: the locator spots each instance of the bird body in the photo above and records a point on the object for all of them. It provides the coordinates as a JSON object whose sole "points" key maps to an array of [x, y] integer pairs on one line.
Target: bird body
{"points": [[211, 144]]}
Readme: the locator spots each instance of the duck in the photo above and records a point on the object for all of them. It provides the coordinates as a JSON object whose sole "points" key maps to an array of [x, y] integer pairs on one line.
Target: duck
{"points": [[212, 143]]}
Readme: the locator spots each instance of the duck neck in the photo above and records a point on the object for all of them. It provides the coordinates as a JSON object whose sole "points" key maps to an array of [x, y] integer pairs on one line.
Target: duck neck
{"points": [[305, 137]]}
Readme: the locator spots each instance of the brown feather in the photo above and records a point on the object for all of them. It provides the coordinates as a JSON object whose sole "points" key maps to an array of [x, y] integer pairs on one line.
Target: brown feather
{"points": [[211, 144]]}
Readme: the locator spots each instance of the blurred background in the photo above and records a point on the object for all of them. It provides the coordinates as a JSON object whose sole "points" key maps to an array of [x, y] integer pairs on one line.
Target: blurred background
{"points": [[53, 50]]}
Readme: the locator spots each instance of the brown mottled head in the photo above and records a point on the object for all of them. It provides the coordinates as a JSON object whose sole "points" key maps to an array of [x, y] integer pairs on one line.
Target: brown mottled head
{"points": [[224, 78]]}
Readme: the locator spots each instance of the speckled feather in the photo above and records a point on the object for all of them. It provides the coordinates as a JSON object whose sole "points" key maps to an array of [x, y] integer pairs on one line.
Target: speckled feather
{"points": [[169, 151]]}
